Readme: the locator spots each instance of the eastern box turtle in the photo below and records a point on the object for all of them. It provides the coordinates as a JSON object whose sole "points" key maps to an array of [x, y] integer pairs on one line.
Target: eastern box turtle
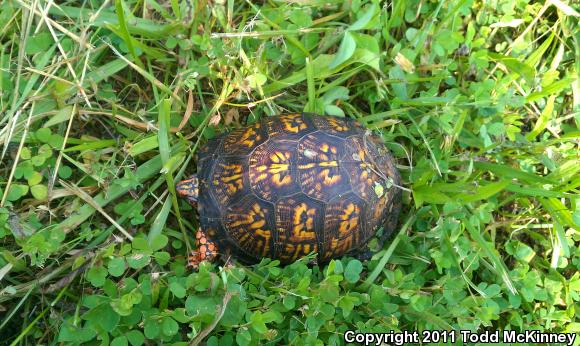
{"points": [[290, 185]]}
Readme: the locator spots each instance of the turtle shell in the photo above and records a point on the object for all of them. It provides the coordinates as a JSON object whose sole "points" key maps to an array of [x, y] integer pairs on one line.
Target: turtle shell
{"points": [[293, 184]]}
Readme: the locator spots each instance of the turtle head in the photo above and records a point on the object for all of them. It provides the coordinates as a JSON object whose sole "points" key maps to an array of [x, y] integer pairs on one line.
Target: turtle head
{"points": [[189, 189]]}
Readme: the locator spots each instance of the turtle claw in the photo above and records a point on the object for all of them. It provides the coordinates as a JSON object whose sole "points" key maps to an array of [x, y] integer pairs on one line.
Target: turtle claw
{"points": [[194, 260], [206, 250]]}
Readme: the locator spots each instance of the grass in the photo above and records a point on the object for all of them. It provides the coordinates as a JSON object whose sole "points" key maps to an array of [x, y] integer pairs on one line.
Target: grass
{"points": [[103, 106]]}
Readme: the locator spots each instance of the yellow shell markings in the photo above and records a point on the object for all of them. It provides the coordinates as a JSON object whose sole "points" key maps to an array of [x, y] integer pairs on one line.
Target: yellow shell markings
{"points": [[365, 180], [303, 223], [288, 127], [370, 183], [327, 178], [277, 169], [229, 181], [340, 246], [293, 251], [249, 226], [349, 219], [323, 171], [336, 125], [332, 124], [247, 138], [293, 123], [296, 228], [343, 243], [270, 171], [343, 230]]}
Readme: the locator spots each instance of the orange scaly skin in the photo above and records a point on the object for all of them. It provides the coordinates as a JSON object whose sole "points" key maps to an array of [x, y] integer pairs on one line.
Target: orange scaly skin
{"points": [[206, 250]]}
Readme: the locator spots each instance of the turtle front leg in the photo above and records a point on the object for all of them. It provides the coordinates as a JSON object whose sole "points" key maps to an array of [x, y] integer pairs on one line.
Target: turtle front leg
{"points": [[206, 250]]}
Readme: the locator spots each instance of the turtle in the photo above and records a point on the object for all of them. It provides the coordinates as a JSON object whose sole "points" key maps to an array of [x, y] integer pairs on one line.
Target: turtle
{"points": [[291, 185]]}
